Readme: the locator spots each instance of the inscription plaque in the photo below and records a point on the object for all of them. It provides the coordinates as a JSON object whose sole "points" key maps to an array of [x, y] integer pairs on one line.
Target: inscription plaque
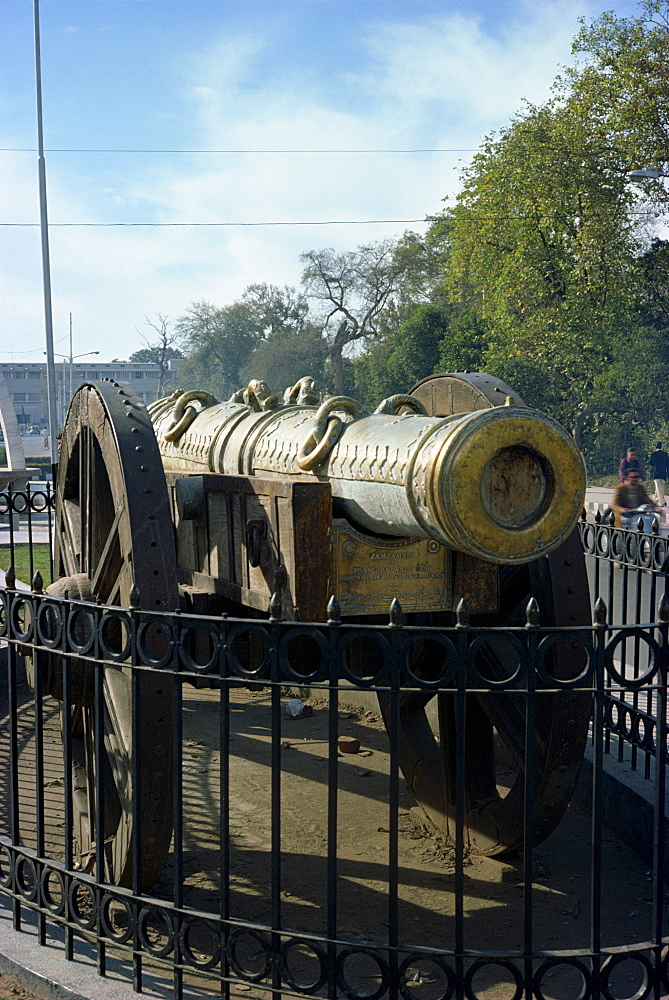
{"points": [[370, 572]]}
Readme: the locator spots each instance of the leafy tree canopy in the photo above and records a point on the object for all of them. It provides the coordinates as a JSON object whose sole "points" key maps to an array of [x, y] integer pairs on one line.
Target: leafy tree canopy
{"points": [[286, 356], [543, 248], [622, 77], [151, 354], [219, 342]]}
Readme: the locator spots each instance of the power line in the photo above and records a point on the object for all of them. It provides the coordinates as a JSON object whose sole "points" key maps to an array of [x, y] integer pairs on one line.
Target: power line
{"points": [[472, 217], [167, 225], [23, 149]]}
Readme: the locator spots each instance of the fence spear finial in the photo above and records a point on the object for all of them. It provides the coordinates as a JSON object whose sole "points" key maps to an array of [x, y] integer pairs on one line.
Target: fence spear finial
{"points": [[334, 611], [462, 614], [396, 617], [532, 613], [275, 607], [599, 617], [663, 608]]}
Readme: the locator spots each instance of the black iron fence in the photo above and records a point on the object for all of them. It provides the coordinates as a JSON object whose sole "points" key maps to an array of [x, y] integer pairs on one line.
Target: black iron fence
{"points": [[628, 572], [221, 805], [26, 529]]}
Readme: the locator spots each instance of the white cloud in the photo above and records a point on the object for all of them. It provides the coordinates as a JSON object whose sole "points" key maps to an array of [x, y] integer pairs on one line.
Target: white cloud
{"points": [[442, 83]]}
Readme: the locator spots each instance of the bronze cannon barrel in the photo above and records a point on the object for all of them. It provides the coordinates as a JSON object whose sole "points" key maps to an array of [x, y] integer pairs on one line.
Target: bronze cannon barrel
{"points": [[505, 484]]}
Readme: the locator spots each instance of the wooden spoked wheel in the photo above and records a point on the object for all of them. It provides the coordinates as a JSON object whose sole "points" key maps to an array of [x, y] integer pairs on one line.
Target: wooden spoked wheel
{"points": [[490, 745], [114, 533]]}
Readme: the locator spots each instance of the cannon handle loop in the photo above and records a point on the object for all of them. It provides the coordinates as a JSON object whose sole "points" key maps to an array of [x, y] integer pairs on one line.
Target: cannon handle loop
{"points": [[185, 413], [311, 454], [161, 406], [393, 403], [327, 428]]}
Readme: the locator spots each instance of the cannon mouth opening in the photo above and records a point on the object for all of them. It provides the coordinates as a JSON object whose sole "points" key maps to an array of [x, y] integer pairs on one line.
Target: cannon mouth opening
{"points": [[517, 486], [508, 485]]}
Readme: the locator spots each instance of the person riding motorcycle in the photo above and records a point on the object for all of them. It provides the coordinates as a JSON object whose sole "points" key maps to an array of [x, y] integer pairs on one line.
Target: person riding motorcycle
{"points": [[630, 495]]}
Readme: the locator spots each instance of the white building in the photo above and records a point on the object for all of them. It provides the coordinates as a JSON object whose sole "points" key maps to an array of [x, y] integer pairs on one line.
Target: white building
{"points": [[28, 387]]}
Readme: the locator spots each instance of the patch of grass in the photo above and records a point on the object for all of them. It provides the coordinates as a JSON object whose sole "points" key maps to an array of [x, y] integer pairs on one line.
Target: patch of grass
{"points": [[22, 562]]}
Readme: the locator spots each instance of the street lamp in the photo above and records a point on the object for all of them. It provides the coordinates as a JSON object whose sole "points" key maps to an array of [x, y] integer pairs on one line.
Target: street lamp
{"points": [[644, 175], [70, 358]]}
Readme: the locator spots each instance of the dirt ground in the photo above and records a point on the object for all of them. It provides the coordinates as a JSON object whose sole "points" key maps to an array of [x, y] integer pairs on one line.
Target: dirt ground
{"points": [[11, 989], [493, 889]]}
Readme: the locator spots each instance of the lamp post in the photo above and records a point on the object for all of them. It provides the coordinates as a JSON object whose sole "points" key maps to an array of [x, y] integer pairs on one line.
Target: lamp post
{"points": [[46, 265], [69, 358]]}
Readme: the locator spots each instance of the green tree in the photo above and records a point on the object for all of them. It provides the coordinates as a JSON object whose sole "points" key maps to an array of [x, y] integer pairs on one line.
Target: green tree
{"points": [[622, 78], [462, 344], [286, 356], [415, 347], [276, 310], [219, 342], [654, 272], [633, 390], [543, 249], [367, 377]]}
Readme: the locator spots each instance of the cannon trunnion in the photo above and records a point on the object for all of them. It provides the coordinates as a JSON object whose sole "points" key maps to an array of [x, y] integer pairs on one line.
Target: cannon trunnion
{"points": [[440, 495]]}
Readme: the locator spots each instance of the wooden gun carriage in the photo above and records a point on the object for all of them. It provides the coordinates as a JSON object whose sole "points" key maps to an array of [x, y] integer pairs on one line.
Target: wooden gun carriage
{"points": [[454, 491]]}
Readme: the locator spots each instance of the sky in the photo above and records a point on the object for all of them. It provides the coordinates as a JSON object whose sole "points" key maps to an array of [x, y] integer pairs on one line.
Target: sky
{"points": [[193, 147]]}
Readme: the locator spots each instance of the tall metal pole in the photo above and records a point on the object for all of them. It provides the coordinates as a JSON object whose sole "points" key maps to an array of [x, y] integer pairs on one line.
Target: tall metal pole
{"points": [[46, 266], [70, 397]]}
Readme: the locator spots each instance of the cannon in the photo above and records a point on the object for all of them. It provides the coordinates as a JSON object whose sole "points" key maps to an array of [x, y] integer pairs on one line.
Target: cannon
{"points": [[454, 491]]}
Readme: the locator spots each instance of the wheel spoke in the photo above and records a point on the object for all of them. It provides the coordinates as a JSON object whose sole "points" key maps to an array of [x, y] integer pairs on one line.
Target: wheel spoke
{"points": [[84, 498], [70, 537], [108, 562]]}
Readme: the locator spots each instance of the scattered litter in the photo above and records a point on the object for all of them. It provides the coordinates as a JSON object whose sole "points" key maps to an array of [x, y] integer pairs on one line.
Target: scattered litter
{"points": [[414, 977], [362, 773], [365, 753], [296, 709], [348, 744], [287, 744]]}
